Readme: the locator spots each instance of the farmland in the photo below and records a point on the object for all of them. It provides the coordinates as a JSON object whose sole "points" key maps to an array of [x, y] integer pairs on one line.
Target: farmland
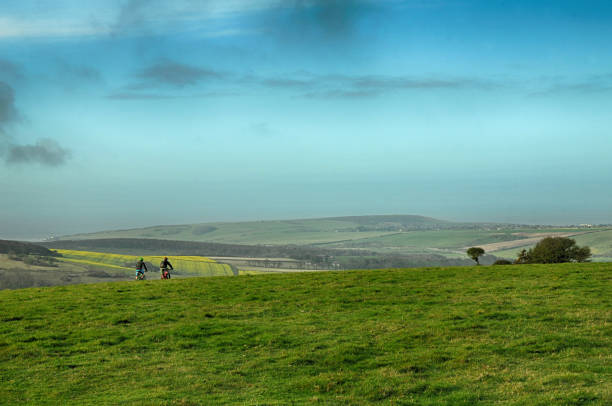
{"points": [[184, 265], [74, 267], [394, 235], [506, 335]]}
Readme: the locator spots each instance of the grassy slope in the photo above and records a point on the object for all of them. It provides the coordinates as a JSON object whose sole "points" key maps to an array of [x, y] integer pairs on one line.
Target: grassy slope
{"points": [[441, 239], [521, 335]]}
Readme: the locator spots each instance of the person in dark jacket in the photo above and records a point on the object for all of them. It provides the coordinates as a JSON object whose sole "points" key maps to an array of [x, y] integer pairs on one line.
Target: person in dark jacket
{"points": [[141, 268], [163, 267]]}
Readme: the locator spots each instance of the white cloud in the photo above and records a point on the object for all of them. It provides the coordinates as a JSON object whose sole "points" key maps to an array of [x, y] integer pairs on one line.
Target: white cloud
{"points": [[87, 21]]}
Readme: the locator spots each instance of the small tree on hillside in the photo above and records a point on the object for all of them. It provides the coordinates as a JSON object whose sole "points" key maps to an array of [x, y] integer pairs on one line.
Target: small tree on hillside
{"points": [[554, 250], [475, 253]]}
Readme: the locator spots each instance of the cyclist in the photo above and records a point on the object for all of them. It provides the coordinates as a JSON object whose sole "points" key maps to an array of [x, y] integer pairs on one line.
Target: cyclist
{"points": [[140, 265], [163, 267]]}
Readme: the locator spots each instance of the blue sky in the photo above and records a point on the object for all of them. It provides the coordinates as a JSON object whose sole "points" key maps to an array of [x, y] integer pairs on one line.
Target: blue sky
{"points": [[117, 114]]}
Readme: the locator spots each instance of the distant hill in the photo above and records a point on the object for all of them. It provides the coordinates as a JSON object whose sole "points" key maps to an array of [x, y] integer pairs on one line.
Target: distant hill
{"points": [[301, 231], [404, 235], [24, 248]]}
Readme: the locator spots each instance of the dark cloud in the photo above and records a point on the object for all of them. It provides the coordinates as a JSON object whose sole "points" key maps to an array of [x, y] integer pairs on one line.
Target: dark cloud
{"points": [[8, 112], [330, 20], [170, 73], [45, 152], [10, 70]]}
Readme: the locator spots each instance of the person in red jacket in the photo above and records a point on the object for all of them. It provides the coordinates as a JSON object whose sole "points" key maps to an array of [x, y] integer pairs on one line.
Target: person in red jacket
{"points": [[163, 267]]}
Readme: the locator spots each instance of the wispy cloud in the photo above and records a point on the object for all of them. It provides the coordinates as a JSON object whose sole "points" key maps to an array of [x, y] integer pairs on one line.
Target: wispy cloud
{"points": [[592, 85], [139, 96], [363, 86], [129, 95], [171, 73]]}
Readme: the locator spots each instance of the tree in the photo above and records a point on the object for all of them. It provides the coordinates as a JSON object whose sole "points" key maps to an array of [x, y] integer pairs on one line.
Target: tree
{"points": [[475, 253], [554, 250]]}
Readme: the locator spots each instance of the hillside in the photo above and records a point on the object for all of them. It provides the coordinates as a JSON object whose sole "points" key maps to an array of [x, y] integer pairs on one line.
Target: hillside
{"points": [[24, 248], [517, 335], [381, 235], [309, 231]]}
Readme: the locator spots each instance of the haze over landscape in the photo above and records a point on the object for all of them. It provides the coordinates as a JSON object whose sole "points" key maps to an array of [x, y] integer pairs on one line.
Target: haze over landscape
{"points": [[123, 114]]}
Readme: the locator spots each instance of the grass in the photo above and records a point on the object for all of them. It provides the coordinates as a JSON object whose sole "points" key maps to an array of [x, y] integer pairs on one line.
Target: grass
{"points": [[513, 335]]}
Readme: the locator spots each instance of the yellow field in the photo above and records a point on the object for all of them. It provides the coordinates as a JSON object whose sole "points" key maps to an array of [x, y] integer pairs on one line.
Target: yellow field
{"points": [[186, 265]]}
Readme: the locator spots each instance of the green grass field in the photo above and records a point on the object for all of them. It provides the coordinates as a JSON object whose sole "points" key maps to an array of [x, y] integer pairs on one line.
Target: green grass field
{"points": [[507, 335]]}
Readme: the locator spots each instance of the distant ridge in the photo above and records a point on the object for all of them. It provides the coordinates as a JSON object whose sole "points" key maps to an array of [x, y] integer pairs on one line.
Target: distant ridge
{"points": [[390, 218], [293, 231], [24, 248]]}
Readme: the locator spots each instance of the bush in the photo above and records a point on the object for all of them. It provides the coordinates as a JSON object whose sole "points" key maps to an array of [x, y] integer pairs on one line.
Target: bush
{"points": [[554, 250], [502, 262]]}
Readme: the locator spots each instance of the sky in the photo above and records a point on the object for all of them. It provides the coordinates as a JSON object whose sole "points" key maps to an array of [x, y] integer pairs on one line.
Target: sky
{"points": [[127, 113]]}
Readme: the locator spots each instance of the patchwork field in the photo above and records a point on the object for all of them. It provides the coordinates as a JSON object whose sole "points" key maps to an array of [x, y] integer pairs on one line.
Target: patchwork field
{"points": [[184, 265], [75, 267], [505, 335], [402, 235]]}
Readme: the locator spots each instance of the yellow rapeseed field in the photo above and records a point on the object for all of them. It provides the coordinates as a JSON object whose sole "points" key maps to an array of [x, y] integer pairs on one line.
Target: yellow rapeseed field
{"points": [[187, 265]]}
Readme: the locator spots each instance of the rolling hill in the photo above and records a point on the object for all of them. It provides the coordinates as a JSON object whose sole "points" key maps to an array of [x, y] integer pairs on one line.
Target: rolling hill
{"points": [[394, 235], [310, 231]]}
